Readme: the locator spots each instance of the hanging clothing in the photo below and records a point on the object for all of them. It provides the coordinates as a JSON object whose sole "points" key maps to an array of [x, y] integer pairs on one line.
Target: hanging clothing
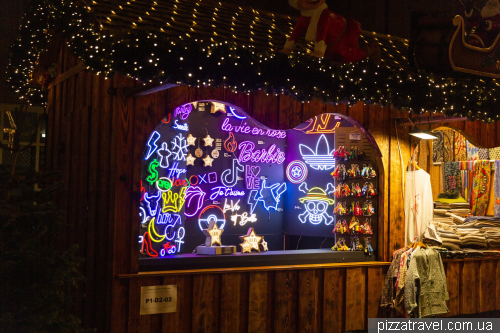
{"points": [[452, 177], [426, 291], [496, 186], [388, 292], [481, 187], [418, 205]]}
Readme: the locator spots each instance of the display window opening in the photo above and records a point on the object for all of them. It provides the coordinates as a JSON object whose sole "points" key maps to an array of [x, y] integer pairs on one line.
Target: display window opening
{"points": [[452, 160], [217, 183]]}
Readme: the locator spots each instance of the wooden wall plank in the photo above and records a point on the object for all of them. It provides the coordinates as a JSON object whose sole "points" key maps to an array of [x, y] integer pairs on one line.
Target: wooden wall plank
{"points": [[453, 283], [334, 300], [265, 108], [286, 301], [179, 321], [179, 95], [312, 109], [396, 177], [290, 112], [469, 287], [239, 99], [356, 112], [355, 308], [234, 303], [311, 300], [487, 283], [260, 307], [375, 283], [215, 93], [206, 303]]}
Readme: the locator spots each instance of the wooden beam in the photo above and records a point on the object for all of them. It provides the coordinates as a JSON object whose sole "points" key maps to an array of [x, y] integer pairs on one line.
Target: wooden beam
{"points": [[66, 75], [254, 269], [429, 120], [146, 89]]}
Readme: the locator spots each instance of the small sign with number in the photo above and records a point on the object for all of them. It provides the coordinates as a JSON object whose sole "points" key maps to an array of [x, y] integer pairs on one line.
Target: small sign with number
{"points": [[355, 136], [158, 299]]}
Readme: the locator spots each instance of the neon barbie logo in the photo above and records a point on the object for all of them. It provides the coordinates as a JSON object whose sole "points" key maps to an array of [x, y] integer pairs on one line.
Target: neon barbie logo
{"points": [[270, 155], [246, 129], [183, 111], [222, 191]]}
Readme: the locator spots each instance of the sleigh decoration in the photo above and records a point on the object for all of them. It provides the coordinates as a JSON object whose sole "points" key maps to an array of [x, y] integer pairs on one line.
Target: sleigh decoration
{"points": [[471, 59]]}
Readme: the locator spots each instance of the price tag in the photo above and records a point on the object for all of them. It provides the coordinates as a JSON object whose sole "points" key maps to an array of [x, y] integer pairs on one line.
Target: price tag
{"points": [[158, 299]]}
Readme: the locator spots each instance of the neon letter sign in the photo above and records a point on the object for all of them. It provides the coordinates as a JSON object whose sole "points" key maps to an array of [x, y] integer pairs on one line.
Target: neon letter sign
{"points": [[251, 179], [247, 154], [174, 171], [226, 192], [180, 127], [246, 129], [183, 111]]}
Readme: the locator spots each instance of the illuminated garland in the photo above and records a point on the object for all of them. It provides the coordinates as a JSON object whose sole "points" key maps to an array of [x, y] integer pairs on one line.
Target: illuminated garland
{"points": [[148, 56]]}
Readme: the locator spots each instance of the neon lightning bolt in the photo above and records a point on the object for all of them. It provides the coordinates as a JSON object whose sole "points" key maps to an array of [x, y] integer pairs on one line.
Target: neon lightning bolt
{"points": [[152, 144]]}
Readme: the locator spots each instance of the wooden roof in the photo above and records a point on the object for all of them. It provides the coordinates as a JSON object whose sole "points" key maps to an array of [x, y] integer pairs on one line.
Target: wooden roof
{"points": [[214, 21]]}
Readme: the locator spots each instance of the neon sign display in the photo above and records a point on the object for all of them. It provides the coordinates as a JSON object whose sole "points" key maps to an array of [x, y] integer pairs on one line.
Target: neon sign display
{"points": [[173, 202], [194, 200], [236, 165], [179, 148], [229, 177], [180, 127], [246, 129], [152, 202], [244, 218], [316, 203], [163, 154], [232, 110], [322, 158], [211, 213], [153, 174], [168, 218], [180, 237], [230, 144], [271, 155], [321, 125], [183, 111], [251, 180], [152, 144], [273, 193], [296, 172], [222, 191], [143, 215], [174, 171], [232, 207]]}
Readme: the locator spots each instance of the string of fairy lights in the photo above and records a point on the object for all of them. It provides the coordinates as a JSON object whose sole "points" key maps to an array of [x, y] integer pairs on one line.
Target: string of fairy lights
{"points": [[158, 55]]}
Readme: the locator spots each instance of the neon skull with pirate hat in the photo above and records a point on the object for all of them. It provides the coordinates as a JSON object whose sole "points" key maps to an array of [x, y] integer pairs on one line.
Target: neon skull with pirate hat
{"points": [[316, 203]]}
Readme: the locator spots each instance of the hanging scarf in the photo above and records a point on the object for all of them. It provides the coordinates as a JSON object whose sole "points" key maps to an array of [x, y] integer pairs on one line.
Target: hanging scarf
{"points": [[496, 186], [452, 177], [481, 187]]}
